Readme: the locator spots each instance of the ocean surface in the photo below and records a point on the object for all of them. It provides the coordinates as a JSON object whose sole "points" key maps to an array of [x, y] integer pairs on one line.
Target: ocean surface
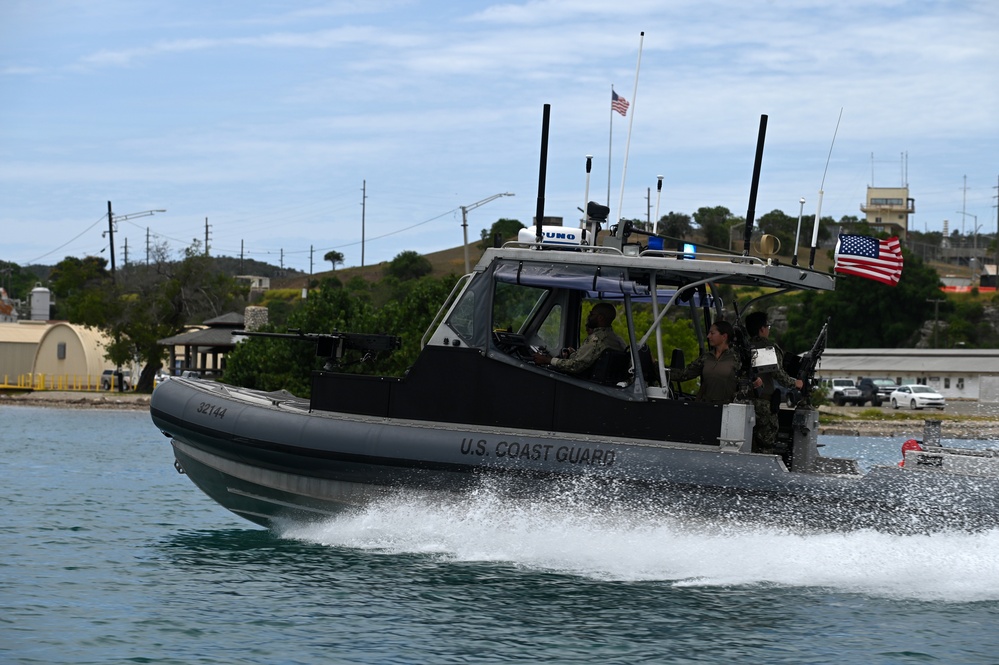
{"points": [[110, 556]]}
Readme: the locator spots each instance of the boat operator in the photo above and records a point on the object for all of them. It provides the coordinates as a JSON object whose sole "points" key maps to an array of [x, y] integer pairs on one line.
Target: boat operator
{"points": [[600, 338]]}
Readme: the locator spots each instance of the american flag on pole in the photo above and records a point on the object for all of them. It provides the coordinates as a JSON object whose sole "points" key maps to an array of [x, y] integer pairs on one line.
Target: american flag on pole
{"points": [[619, 103], [862, 256]]}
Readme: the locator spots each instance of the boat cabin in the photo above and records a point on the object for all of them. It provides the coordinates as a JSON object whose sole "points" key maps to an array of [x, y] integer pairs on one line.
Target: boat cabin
{"points": [[476, 367]]}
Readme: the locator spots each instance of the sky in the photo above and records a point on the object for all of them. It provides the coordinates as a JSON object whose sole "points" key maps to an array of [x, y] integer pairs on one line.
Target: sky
{"points": [[290, 129]]}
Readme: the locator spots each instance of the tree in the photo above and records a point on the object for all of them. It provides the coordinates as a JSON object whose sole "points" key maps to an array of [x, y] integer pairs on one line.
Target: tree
{"points": [[866, 314], [715, 224], [273, 364], [776, 223], [334, 257], [409, 265], [503, 228], [675, 225], [146, 304]]}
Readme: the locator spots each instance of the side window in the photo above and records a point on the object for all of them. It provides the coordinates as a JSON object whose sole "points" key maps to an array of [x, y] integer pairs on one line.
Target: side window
{"points": [[462, 317], [550, 330], [513, 305]]}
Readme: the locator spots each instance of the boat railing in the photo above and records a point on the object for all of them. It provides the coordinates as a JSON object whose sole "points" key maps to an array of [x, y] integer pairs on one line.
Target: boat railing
{"points": [[594, 249], [679, 253], [663, 253], [439, 316]]}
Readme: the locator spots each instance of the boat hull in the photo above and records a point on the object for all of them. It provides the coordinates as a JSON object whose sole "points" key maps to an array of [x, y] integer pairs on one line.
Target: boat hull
{"points": [[268, 458]]}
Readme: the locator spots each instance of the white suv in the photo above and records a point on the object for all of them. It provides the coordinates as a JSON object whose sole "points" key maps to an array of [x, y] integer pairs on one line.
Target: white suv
{"points": [[845, 391], [122, 381]]}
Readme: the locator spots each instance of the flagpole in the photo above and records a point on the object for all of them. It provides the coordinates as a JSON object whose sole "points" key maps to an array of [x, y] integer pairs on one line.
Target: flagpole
{"points": [[610, 143], [631, 122]]}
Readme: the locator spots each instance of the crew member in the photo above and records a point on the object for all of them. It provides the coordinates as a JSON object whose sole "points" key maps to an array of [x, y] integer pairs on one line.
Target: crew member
{"points": [[600, 337], [765, 431]]}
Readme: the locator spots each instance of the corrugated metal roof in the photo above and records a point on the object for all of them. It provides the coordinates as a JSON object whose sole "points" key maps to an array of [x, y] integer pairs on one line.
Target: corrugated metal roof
{"points": [[893, 361], [23, 332]]}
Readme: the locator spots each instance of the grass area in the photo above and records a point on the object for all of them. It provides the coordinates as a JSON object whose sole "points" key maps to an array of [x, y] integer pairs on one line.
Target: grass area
{"points": [[883, 415]]}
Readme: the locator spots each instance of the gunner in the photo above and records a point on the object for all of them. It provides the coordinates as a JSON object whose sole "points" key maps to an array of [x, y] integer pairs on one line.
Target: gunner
{"points": [[600, 338]]}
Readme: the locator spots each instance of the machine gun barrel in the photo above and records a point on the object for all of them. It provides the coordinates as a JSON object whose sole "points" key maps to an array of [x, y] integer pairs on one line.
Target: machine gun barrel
{"points": [[332, 345], [810, 360]]}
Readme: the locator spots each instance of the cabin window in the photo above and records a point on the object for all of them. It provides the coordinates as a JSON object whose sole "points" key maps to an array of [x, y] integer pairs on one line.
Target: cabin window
{"points": [[462, 318], [61, 350], [513, 305], [550, 331]]}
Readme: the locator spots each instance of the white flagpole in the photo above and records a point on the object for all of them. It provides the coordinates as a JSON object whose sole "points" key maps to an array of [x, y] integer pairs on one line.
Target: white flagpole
{"points": [[610, 144], [631, 121]]}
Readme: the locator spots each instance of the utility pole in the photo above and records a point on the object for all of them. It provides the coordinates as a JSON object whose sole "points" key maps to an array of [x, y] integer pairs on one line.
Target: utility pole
{"points": [[206, 236], [111, 239], [241, 257], [364, 199], [126, 252], [464, 221], [936, 320], [147, 245], [110, 231]]}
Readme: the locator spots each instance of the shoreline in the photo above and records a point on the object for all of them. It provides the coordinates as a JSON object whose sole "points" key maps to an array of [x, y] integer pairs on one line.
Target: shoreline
{"points": [[78, 400], [842, 424]]}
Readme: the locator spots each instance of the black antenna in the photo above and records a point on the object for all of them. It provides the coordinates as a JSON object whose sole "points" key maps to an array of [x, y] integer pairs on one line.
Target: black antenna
{"points": [[540, 214], [751, 213]]}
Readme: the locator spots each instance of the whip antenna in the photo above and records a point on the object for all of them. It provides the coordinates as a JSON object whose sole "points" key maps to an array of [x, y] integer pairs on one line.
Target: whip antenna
{"points": [[818, 208]]}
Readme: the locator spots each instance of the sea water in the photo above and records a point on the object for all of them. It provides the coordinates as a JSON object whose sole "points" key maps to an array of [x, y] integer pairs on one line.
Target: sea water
{"points": [[111, 556]]}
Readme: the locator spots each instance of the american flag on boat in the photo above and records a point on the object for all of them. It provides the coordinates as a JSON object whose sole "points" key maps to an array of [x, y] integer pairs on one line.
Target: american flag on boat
{"points": [[863, 256]]}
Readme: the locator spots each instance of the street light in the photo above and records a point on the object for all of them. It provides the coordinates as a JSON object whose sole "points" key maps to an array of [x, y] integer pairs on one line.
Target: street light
{"points": [[121, 218], [464, 221]]}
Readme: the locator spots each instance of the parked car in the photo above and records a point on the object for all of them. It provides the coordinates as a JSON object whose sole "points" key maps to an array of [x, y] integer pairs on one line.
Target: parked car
{"points": [[917, 397], [884, 385], [869, 393], [844, 391], [120, 380]]}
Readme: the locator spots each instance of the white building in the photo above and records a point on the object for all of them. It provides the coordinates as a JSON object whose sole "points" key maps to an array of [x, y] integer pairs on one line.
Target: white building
{"points": [[954, 373]]}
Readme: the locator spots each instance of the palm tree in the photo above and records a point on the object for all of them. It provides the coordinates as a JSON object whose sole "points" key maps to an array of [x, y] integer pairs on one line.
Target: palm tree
{"points": [[334, 257]]}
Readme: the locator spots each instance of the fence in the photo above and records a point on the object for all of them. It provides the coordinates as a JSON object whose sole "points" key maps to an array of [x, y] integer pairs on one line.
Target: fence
{"points": [[61, 382]]}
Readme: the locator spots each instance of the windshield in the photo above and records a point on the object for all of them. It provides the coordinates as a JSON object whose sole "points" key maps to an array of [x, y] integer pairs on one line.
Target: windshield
{"points": [[922, 389]]}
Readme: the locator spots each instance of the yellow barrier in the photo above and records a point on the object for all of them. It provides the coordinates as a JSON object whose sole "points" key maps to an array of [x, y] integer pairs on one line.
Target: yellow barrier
{"points": [[60, 382]]}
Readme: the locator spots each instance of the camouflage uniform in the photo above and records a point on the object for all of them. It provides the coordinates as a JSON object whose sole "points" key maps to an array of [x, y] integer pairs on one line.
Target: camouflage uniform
{"points": [[719, 376], [765, 432], [583, 358]]}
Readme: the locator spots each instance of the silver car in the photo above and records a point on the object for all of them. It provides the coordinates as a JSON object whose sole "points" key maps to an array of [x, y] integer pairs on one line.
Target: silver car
{"points": [[917, 397]]}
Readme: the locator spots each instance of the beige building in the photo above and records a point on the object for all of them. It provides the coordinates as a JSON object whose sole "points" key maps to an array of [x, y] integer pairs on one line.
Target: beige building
{"points": [[18, 344], [71, 356], [888, 210]]}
